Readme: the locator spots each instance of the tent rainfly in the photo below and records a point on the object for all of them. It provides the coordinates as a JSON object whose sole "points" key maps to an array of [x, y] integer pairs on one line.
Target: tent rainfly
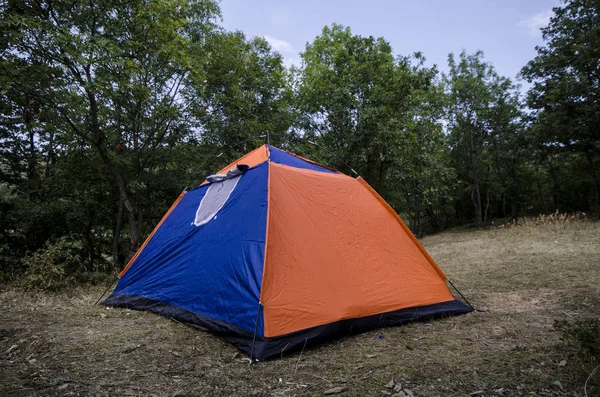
{"points": [[277, 252]]}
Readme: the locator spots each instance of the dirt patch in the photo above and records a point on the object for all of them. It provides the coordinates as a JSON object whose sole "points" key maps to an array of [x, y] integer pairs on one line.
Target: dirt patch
{"points": [[64, 345]]}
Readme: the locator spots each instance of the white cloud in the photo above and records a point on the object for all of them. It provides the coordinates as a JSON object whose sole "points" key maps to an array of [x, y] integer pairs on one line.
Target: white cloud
{"points": [[535, 22], [279, 45], [289, 62]]}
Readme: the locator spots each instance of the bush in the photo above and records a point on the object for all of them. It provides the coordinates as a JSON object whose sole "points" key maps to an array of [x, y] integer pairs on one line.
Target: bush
{"points": [[12, 242], [59, 264], [584, 334]]}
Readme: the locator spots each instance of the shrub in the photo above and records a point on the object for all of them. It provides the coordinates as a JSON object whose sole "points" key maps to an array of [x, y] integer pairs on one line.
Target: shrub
{"points": [[584, 334], [59, 264], [12, 242]]}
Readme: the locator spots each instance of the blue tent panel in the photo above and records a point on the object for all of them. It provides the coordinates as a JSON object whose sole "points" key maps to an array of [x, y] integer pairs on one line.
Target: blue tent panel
{"points": [[215, 269], [282, 157]]}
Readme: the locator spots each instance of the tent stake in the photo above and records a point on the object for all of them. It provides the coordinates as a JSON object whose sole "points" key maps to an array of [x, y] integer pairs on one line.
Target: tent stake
{"points": [[111, 284], [255, 331], [460, 293]]}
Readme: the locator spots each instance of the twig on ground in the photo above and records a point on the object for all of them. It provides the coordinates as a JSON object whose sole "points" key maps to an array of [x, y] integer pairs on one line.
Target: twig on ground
{"points": [[587, 380]]}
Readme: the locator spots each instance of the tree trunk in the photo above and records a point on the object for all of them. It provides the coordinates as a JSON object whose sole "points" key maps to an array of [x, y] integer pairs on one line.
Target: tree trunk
{"points": [[409, 205], [410, 214], [542, 198], [597, 183], [51, 157], [32, 161], [116, 237], [475, 193], [487, 205], [380, 179], [418, 230], [91, 249], [556, 192], [98, 140], [95, 136], [476, 198], [513, 204], [136, 232]]}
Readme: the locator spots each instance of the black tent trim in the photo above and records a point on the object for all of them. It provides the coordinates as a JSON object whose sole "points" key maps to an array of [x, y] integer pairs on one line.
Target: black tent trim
{"points": [[267, 348]]}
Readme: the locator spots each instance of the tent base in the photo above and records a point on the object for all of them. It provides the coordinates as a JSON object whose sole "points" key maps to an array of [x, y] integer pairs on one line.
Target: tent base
{"points": [[268, 348]]}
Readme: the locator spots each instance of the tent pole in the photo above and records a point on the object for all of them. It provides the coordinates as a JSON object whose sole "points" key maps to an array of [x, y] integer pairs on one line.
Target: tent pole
{"points": [[111, 284], [460, 293], [255, 332], [335, 157]]}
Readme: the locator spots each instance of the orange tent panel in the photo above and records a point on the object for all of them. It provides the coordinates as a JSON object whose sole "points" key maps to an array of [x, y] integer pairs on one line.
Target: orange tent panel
{"points": [[334, 252], [255, 157]]}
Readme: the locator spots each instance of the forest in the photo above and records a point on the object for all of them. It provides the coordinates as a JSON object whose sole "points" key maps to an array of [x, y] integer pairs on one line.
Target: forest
{"points": [[109, 109]]}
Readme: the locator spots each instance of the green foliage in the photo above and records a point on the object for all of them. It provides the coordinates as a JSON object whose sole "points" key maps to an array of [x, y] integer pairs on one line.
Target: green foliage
{"points": [[245, 93], [11, 242], [114, 76], [584, 335], [345, 94], [60, 264], [486, 127], [566, 85], [108, 110], [378, 115]]}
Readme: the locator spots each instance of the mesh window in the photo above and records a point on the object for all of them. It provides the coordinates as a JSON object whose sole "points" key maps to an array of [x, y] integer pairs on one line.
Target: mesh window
{"points": [[215, 198]]}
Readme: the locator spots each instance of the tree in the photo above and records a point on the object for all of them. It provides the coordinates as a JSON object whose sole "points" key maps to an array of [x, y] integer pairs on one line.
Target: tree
{"points": [[351, 90], [115, 74], [483, 116], [566, 85], [419, 170], [245, 95], [381, 116], [344, 94], [507, 145]]}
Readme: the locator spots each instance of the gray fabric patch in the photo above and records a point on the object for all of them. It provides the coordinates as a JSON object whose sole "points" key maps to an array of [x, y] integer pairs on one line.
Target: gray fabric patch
{"points": [[215, 198]]}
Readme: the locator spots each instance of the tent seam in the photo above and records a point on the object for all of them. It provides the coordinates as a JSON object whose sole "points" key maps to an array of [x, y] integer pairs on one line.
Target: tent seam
{"points": [[262, 281]]}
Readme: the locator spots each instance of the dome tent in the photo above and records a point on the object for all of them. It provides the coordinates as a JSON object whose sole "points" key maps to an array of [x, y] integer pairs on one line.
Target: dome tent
{"points": [[283, 254]]}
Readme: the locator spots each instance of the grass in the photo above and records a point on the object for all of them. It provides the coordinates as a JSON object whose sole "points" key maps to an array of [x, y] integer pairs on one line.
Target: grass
{"points": [[525, 276]]}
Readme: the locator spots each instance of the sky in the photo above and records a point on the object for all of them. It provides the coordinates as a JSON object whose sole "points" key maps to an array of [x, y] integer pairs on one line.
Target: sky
{"points": [[507, 31]]}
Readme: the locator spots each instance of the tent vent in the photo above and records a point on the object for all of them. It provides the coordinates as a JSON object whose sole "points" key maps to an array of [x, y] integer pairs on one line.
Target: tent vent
{"points": [[215, 198]]}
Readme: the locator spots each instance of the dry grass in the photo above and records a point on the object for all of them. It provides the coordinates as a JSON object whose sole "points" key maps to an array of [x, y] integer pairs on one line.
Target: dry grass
{"points": [[526, 275]]}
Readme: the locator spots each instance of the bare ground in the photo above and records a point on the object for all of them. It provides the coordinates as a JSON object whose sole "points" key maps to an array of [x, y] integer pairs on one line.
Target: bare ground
{"points": [[525, 278]]}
